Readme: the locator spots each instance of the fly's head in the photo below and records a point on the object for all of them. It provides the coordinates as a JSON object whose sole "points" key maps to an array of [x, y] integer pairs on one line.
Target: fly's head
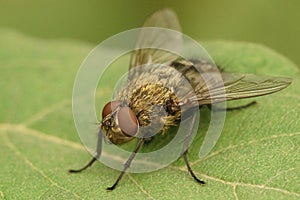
{"points": [[119, 123]]}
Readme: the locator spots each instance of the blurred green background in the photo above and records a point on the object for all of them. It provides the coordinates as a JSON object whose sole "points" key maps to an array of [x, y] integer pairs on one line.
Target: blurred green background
{"points": [[274, 23]]}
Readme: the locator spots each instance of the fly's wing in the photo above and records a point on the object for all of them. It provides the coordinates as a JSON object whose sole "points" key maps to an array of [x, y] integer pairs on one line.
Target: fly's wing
{"points": [[152, 41], [225, 86]]}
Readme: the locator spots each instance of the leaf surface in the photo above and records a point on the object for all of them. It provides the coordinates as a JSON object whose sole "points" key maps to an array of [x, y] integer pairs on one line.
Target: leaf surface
{"points": [[257, 156]]}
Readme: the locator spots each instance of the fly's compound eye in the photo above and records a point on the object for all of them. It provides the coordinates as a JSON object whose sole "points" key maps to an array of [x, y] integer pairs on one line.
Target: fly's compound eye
{"points": [[127, 121], [110, 107]]}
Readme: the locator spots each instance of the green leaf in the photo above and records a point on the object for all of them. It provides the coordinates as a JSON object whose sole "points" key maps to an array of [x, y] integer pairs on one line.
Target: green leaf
{"points": [[257, 156]]}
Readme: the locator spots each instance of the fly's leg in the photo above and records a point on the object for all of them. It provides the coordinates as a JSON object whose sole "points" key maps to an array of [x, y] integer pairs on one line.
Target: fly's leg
{"points": [[242, 107], [185, 150], [190, 169], [127, 164], [234, 108], [98, 154]]}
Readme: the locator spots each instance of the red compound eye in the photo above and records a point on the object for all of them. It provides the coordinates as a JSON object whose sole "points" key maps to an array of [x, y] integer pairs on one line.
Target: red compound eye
{"points": [[110, 107], [127, 121]]}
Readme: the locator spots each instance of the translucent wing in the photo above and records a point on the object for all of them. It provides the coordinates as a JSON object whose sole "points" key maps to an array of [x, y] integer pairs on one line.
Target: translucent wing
{"points": [[152, 41], [237, 86]]}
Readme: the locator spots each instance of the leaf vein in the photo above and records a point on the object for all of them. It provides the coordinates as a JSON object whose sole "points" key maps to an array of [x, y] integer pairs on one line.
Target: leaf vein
{"points": [[140, 187], [40, 115], [243, 144], [35, 133], [33, 167], [251, 185], [32, 132], [234, 184], [234, 192]]}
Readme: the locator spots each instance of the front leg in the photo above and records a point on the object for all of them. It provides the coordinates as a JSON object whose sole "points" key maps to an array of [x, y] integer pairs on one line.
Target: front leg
{"points": [[127, 164], [98, 154]]}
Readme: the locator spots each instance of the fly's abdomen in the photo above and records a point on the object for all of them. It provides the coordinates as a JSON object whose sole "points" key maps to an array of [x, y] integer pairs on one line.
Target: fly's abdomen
{"points": [[192, 70]]}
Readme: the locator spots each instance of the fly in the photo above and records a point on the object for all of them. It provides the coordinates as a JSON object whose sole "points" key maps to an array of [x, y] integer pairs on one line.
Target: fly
{"points": [[125, 116]]}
